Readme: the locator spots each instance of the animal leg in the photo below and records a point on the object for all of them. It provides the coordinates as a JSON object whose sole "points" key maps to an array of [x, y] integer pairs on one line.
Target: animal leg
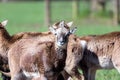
{"points": [[117, 65], [4, 77], [116, 60], [91, 74], [19, 76], [65, 75]]}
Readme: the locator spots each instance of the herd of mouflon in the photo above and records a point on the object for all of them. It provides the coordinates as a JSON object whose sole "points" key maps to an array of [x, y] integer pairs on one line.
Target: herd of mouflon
{"points": [[57, 54]]}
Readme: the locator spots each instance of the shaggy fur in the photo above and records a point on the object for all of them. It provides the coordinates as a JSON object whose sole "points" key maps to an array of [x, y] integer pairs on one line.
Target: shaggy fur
{"points": [[75, 51], [33, 59], [101, 52], [6, 41]]}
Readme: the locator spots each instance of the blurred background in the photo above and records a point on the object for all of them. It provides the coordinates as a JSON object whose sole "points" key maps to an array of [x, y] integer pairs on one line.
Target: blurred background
{"points": [[89, 16]]}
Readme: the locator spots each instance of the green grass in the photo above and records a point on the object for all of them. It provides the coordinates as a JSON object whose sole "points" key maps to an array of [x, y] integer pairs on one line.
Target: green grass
{"points": [[29, 16], [23, 16], [108, 75]]}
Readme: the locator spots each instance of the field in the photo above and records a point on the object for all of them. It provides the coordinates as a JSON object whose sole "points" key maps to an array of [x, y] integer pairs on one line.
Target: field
{"points": [[29, 16]]}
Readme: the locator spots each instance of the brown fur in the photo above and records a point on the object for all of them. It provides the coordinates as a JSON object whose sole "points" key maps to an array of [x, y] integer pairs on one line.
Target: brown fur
{"points": [[102, 52], [6, 41], [74, 55], [31, 55], [57, 24], [43, 58]]}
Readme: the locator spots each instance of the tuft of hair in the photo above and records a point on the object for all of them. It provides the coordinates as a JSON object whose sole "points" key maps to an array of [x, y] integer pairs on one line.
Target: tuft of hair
{"points": [[62, 24]]}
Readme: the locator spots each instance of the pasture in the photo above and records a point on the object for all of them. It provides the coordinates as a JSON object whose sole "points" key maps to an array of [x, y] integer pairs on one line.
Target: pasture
{"points": [[29, 16]]}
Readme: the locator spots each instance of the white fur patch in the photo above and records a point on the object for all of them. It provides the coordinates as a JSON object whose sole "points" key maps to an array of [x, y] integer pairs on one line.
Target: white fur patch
{"points": [[83, 43], [31, 74], [4, 23], [69, 78], [105, 62], [43, 77]]}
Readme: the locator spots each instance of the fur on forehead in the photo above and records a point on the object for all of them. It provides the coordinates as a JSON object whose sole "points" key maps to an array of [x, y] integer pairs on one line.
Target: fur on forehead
{"points": [[56, 25], [63, 30]]}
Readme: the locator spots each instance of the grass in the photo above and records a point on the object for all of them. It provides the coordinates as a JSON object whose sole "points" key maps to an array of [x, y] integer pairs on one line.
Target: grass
{"points": [[29, 16], [23, 16]]}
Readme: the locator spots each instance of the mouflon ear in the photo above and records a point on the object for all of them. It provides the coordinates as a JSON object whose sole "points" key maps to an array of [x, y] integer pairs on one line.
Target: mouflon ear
{"points": [[70, 23], [4, 23], [52, 29], [73, 30], [61, 24]]}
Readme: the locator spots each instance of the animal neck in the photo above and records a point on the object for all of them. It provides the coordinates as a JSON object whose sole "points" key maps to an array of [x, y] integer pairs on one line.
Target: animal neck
{"points": [[60, 47], [4, 36], [61, 54], [61, 51], [4, 43]]}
